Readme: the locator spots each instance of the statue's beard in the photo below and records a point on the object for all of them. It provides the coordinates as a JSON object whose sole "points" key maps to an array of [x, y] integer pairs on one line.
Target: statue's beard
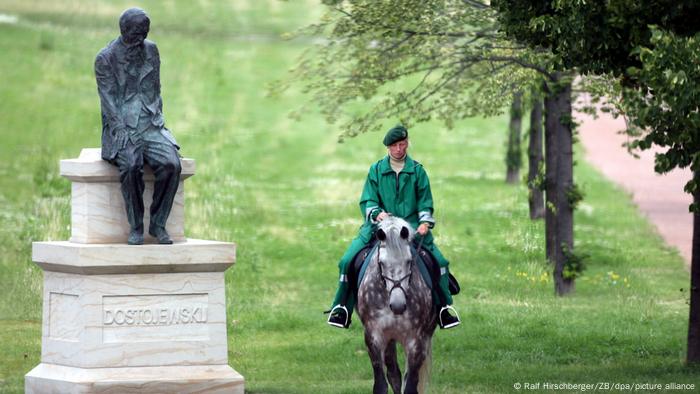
{"points": [[135, 52]]}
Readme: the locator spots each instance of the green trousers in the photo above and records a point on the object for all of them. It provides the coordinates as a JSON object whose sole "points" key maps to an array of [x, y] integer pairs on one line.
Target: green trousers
{"points": [[344, 295]]}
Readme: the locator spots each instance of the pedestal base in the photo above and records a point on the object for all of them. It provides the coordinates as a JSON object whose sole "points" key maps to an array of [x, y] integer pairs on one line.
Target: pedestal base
{"points": [[134, 319], [50, 378], [98, 214]]}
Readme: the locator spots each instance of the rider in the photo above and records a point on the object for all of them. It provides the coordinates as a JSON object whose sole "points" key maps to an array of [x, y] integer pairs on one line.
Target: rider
{"points": [[396, 185]]}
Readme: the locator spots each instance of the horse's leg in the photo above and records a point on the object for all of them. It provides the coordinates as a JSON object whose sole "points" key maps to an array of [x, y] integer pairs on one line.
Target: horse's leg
{"points": [[393, 371], [424, 372], [375, 356], [416, 354]]}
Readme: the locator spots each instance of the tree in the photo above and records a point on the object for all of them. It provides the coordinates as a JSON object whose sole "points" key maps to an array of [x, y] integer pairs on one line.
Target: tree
{"points": [[535, 160], [513, 151], [664, 107], [412, 60], [559, 182], [416, 60], [658, 72]]}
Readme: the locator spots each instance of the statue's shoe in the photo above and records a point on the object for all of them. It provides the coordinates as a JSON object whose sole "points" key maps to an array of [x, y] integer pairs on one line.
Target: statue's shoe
{"points": [[160, 234], [135, 237]]}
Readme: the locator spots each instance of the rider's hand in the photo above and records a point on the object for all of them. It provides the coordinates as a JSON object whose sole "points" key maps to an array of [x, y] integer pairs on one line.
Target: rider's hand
{"points": [[381, 216], [423, 229]]}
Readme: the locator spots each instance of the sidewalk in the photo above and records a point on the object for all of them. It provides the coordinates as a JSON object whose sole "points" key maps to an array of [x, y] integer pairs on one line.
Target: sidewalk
{"points": [[660, 197]]}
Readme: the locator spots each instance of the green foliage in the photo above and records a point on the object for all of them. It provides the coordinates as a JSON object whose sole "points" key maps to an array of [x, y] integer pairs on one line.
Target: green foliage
{"points": [[574, 195], [567, 120], [410, 61], [594, 36], [603, 91], [539, 181], [574, 263], [663, 108], [656, 65]]}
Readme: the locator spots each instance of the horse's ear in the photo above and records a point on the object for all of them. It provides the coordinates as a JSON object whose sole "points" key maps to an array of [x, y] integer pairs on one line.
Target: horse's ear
{"points": [[404, 233], [381, 235]]}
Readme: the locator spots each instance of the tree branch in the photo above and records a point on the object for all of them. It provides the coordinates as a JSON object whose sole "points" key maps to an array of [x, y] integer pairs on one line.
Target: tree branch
{"points": [[442, 84], [476, 4], [460, 34], [398, 43], [515, 60]]}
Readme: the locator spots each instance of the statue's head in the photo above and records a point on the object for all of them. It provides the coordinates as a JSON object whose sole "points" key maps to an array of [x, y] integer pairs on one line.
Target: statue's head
{"points": [[134, 25]]}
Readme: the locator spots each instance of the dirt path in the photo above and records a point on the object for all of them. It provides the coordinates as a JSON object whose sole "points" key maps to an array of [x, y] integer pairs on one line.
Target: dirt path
{"points": [[660, 197]]}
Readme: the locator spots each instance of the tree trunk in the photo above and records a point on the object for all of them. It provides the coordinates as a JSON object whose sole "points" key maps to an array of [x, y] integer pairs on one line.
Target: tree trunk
{"points": [[535, 196], [514, 152], [559, 222], [551, 156], [693, 356]]}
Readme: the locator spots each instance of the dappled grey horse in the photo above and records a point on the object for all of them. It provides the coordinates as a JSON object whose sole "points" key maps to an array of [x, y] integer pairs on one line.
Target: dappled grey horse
{"points": [[395, 305]]}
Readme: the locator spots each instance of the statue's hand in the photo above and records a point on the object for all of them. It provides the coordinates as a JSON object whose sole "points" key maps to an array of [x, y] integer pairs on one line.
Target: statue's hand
{"points": [[121, 137], [382, 216]]}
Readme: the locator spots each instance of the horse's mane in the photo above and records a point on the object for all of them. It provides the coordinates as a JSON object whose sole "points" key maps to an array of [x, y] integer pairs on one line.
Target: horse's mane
{"points": [[395, 245]]}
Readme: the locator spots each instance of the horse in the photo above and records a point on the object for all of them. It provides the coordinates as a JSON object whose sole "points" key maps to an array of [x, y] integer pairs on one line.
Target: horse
{"points": [[396, 305]]}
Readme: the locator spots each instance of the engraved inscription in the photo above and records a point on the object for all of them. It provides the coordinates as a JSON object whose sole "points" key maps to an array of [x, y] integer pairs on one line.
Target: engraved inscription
{"points": [[155, 317]]}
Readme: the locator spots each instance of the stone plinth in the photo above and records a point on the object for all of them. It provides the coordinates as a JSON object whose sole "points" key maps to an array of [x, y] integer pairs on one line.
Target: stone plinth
{"points": [[194, 255], [134, 317], [97, 206], [119, 318], [216, 379]]}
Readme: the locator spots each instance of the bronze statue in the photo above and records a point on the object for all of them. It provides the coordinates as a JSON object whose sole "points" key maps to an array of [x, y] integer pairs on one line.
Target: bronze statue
{"points": [[133, 128]]}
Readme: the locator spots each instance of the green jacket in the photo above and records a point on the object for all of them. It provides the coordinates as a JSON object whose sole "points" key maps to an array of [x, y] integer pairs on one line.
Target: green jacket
{"points": [[406, 194]]}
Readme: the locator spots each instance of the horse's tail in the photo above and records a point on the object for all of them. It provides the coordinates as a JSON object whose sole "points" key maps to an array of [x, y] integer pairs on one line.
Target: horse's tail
{"points": [[424, 372]]}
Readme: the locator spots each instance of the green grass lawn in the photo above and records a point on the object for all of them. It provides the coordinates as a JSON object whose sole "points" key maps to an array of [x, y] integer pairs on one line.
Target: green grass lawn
{"points": [[286, 193]]}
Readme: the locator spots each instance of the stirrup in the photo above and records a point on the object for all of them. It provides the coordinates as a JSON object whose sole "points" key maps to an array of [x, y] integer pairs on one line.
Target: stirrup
{"points": [[456, 316], [336, 324]]}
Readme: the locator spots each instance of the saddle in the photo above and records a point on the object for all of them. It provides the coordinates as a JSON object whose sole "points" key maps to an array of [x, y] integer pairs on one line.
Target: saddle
{"points": [[430, 261]]}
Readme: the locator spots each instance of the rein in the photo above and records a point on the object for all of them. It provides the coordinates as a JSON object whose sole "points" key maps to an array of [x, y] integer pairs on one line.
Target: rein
{"points": [[396, 283]]}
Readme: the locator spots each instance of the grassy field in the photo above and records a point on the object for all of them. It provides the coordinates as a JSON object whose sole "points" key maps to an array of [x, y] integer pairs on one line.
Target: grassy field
{"points": [[286, 192]]}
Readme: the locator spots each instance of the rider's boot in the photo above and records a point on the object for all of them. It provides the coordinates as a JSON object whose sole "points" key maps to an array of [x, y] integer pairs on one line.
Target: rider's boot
{"points": [[339, 317], [447, 315], [340, 312]]}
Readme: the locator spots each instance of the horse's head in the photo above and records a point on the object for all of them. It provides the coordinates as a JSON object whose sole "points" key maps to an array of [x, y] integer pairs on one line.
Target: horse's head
{"points": [[395, 260]]}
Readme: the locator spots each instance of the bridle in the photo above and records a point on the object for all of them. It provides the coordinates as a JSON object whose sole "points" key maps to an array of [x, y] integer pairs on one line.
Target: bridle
{"points": [[396, 283]]}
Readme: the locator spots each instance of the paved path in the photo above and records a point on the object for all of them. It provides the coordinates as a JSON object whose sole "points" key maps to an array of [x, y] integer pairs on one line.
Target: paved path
{"points": [[660, 197]]}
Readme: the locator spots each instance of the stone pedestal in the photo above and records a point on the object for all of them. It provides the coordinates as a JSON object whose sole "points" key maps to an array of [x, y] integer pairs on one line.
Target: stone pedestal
{"points": [[97, 206], [130, 319]]}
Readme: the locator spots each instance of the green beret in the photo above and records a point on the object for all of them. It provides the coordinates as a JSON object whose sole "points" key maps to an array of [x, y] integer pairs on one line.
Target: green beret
{"points": [[395, 134]]}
